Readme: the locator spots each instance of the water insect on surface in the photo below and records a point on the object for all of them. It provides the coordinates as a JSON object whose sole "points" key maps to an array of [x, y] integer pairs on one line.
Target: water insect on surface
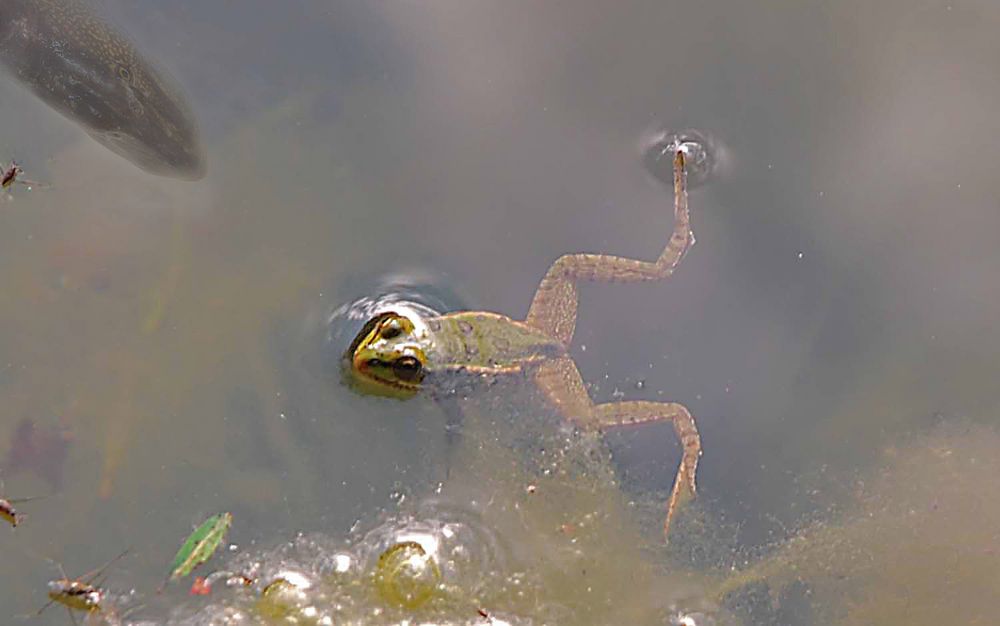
{"points": [[9, 514], [456, 353], [12, 174], [79, 594]]}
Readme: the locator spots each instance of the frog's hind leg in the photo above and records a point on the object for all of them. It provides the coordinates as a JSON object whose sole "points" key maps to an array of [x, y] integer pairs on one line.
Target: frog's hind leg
{"points": [[634, 412], [553, 308], [561, 383]]}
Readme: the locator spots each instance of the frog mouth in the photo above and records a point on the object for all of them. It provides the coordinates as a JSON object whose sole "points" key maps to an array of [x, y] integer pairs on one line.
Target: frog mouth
{"points": [[368, 372], [360, 378]]}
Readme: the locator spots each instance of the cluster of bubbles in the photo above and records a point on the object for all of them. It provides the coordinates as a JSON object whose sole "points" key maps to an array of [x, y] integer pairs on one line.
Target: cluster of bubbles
{"points": [[439, 565]]}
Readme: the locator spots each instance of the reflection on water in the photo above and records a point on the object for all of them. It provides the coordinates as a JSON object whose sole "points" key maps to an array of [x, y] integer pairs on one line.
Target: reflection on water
{"points": [[168, 343]]}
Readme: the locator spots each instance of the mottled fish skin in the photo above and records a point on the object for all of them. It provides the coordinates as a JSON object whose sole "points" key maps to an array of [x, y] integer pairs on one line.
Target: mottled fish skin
{"points": [[83, 68]]}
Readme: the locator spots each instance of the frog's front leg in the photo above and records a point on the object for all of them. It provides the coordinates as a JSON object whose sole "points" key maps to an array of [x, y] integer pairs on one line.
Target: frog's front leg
{"points": [[553, 308], [561, 383]]}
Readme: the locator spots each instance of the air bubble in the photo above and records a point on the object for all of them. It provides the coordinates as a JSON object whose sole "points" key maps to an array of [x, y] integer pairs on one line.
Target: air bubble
{"points": [[697, 618], [702, 153], [407, 575]]}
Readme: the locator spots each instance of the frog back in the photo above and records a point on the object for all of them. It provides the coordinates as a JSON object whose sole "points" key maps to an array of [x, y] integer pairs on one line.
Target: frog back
{"points": [[488, 342]]}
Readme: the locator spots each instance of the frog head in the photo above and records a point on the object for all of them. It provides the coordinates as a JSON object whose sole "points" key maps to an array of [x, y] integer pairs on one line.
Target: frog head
{"points": [[387, 357]]}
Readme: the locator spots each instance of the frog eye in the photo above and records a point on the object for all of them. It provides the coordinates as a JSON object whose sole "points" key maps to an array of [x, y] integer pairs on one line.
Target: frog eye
{"points": [[124, 73], [407, 369], [391, 330]]}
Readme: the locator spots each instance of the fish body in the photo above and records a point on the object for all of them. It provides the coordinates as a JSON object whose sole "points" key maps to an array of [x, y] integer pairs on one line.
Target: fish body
{"points": [[92, 74]]}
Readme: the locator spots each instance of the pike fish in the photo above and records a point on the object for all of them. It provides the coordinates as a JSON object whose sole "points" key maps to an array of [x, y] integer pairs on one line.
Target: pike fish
{"points": [[91, 73]]}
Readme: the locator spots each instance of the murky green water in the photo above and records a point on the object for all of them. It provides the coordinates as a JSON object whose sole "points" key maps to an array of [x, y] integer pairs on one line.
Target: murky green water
{"points": [[833, 331]]}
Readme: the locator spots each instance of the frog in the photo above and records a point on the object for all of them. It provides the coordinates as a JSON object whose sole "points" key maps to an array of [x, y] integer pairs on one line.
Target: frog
{"points": [[459, 353]]}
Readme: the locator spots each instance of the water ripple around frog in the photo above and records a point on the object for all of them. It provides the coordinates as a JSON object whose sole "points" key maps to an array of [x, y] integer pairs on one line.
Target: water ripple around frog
{"points": [[706, 156], [414, 292]]}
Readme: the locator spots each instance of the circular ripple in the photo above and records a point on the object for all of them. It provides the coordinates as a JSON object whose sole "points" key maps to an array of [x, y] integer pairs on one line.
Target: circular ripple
{"points": [[703, 153], [467, 551], [407, 575]]}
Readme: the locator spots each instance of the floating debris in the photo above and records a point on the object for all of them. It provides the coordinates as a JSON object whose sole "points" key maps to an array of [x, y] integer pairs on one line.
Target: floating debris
{"points": [[200, 546], [202, 585]]}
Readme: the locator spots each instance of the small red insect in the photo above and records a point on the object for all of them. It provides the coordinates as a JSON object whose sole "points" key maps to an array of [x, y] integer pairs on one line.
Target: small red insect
{"points": [[200, 587]]}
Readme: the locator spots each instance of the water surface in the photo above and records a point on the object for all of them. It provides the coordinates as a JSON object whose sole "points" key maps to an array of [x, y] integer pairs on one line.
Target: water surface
{"points": [[839, 306]]}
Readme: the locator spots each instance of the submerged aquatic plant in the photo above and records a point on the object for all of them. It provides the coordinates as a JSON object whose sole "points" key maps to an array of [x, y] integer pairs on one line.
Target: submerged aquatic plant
{"points": [[917, 548]]}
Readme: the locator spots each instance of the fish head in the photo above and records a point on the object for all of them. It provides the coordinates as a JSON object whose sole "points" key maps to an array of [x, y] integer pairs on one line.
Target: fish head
{"points": [[141, 117]]}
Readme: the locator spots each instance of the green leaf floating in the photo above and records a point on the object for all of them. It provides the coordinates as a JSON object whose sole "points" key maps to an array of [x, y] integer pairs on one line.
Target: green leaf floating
{"points": [[200, 545]]}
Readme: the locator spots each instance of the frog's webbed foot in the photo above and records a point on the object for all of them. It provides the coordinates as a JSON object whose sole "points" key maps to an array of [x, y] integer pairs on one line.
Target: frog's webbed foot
{"points": [[561, 383], [553, 308]]}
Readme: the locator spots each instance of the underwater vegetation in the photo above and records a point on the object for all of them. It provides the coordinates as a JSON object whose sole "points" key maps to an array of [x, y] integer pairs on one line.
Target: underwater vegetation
{"points": [[41, 450], [918, 546]]}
